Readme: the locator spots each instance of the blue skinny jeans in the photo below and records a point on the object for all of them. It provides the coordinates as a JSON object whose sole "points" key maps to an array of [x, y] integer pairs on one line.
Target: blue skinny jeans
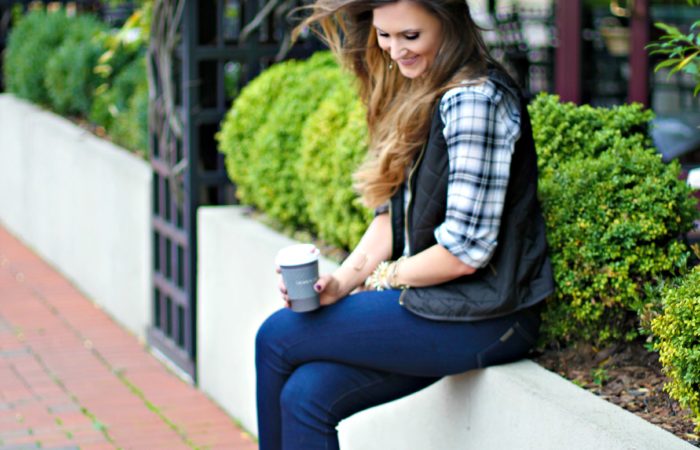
{"points": [[315, 369]]}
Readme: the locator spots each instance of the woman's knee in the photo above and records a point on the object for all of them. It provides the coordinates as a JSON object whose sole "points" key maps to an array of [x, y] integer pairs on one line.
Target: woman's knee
{"points": [[304, 401], [273, 330]]}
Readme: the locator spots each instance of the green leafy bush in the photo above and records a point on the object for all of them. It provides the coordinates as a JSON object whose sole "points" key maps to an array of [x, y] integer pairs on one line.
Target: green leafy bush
{"points": [[30, 45], [78, 66], [121, 68], [70, 79], [130, 125], [678, 332], [116, 108], [334, 143], [614, 213], [565, 130], [117, 86], [261, 135]]}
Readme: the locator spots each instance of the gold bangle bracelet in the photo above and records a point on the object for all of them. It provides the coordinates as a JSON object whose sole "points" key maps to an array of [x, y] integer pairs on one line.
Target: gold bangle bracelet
{"points": [[394, 274]]}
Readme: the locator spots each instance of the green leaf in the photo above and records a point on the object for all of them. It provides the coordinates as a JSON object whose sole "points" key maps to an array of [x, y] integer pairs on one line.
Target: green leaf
{"points": [[688, 59], [664, 64], [669, 29]]}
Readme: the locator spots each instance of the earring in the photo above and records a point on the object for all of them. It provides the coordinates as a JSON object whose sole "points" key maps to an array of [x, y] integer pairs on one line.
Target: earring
{"points": [[390, 63]]}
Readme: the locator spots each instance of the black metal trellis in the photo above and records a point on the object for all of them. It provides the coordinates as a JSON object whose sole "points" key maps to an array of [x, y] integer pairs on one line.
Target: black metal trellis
{"points": [[530, 62], [198, 63]]}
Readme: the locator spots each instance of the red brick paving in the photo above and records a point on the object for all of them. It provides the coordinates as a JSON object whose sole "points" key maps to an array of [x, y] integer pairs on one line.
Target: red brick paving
{"points": [[70, 378]]}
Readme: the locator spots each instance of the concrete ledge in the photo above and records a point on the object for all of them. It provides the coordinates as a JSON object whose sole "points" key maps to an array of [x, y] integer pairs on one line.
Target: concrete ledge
{"points": [[236, 291], [82, 204], [514, 406]]}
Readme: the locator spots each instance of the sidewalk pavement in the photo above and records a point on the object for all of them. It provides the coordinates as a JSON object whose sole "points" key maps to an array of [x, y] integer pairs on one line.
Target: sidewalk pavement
{"points": [[70, 378]]}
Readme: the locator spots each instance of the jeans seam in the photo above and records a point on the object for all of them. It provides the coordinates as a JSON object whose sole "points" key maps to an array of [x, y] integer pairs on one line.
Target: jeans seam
{"points": [[287, 347]]}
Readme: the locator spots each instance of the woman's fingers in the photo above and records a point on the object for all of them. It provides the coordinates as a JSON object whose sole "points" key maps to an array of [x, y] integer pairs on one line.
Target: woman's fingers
{"points": [[328, 288], [283, 289], [323, 283]]}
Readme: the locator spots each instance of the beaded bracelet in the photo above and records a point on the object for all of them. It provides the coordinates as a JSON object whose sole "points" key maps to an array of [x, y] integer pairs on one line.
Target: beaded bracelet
{"points": [[379, 280]]}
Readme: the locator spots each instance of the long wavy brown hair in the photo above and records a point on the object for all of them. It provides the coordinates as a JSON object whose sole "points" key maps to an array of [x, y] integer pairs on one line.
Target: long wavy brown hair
{"points": [[399, 110]]}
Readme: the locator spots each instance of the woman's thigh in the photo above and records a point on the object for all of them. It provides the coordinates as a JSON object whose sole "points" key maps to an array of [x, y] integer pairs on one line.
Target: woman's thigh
{"points": [[372, 330], [329, 392]]}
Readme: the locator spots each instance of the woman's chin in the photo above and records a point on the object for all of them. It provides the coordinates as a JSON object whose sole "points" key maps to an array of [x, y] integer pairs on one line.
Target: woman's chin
{"points": [[412, 72]]}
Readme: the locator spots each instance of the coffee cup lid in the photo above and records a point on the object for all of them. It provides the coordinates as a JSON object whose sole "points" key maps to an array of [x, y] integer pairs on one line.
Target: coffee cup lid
{"points": [[297, 254]]}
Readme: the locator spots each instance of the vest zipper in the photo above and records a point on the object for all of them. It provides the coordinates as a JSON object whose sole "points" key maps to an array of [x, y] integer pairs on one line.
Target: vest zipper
{"points": [[407, 212]]}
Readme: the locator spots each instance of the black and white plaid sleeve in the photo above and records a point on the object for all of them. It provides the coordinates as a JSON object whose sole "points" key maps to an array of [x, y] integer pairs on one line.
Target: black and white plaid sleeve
{"points": [[482, 125]]}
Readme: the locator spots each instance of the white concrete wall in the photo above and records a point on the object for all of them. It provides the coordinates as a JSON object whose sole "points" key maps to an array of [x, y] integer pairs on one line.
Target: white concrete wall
{"points": [[516, 406], [81, 203], [237, 290]]}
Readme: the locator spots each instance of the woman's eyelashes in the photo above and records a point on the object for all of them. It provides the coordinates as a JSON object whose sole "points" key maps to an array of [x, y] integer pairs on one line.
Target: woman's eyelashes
{"points": [[409, 36]]}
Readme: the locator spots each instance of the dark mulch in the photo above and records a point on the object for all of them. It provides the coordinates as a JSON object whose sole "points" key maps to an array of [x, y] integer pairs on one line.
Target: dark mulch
{"points": [[627, 375]]}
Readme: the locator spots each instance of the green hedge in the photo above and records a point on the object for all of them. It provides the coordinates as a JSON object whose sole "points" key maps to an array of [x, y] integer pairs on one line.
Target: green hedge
{"points": [[333, 145], [78, 66], [122, 106], [31, 43], [565, 130], [70, 79], [261, 138], [130, 125], [613, 223], [678, 332], [119, 80], [614, 211]]}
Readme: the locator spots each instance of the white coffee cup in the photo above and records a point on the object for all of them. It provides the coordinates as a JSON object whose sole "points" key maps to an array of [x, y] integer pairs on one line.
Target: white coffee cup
{"points": [[299, 266]]}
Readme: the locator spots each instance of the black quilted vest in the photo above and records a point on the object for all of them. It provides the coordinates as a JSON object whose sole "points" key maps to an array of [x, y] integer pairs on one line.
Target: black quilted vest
{"points": [[519, 274]]}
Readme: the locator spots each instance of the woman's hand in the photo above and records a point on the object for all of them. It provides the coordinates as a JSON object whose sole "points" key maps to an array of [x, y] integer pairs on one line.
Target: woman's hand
{"points": [[327, 287]]}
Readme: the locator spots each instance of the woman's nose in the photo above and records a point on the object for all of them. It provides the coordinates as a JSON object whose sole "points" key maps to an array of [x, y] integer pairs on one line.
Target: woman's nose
{"points": [[395, 52]]}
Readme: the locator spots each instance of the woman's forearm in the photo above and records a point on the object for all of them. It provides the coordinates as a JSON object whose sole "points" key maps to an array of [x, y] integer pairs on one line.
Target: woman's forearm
{"points": [[433, 265], [374, 247]]}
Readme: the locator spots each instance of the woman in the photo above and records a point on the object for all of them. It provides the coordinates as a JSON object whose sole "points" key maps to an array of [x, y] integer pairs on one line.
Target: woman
{"points": [[454, 264]]}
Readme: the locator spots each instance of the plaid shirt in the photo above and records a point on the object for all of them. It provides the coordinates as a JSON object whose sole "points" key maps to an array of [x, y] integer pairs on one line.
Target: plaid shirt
{"points": [[482, 125]]}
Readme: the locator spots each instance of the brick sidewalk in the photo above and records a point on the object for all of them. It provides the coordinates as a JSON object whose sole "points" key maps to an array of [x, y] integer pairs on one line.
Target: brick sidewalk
{"points": [[70, 378]]}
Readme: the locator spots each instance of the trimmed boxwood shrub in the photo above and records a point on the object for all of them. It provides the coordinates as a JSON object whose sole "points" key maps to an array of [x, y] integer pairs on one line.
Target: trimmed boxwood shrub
{"points": [[30, 45], [261, 136], [126, 71], [678, 332], [565, 130], [614, 215], [612, 227], [334, 143], [78, 66], [70, 79], [130, 125], [238, 130], [122, 109]]}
